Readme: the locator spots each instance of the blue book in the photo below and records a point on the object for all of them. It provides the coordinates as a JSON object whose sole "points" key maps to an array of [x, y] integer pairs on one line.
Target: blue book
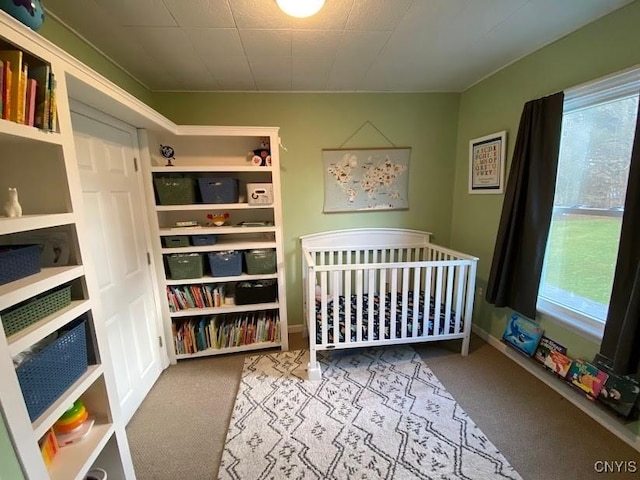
{"points": [[522, 334]]}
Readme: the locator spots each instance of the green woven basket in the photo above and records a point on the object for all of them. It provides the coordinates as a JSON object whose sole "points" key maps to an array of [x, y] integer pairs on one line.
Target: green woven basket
{"points": [[175, 191], [185, 266], [260, 261], [29, 313]]}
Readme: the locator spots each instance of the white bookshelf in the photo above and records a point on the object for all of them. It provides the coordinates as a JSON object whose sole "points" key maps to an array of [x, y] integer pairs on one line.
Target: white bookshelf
{"points": [[217, 152], [41, 164]]}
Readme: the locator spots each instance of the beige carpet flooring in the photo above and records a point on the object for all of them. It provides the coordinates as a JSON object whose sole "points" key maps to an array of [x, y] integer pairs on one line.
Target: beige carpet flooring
{"points": [[179, 431]]}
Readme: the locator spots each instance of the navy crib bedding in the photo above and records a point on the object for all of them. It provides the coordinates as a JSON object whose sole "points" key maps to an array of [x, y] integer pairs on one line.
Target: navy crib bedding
{"points": [[387, 315]]}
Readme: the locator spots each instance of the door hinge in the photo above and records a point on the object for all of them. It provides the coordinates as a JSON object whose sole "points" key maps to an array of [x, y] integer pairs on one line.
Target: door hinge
{"points": [[148, 258], [160, 341], [135, 163]]}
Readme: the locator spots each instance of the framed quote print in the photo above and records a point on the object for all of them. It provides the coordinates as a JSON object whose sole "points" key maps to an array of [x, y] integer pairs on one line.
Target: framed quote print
{"points": [[486, 163]]}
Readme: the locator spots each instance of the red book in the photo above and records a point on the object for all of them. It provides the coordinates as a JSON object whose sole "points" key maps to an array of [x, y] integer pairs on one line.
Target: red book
{"points": [[30, 104]]}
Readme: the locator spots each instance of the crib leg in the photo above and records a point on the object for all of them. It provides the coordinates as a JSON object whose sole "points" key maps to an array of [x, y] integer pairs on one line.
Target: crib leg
{"points": [[313, 368], [465, 345]]}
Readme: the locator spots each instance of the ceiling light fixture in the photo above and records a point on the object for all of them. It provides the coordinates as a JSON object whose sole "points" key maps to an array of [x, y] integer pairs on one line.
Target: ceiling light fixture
{"points": [[300, 8]]}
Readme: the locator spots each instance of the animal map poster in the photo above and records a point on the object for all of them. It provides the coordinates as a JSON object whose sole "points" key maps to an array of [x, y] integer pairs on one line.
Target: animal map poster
{"points": [[366, 180]]}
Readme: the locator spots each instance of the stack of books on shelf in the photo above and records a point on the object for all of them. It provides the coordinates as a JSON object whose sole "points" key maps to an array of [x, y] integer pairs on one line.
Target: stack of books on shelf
{"points": [[27, 91], [192, 335], [195, 296], [595, 379]]}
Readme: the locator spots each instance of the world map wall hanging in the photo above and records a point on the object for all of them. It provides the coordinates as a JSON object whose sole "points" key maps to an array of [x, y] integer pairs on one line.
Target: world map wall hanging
{"points": [[357, 180]]}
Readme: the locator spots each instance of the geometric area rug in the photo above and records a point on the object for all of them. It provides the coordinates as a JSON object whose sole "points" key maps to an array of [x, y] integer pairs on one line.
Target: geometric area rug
{"points": [[377, 413]]}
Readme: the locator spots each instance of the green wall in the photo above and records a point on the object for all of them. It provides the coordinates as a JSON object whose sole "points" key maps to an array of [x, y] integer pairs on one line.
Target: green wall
{"points": [[9, 466], [310, 122], [495, 104]]}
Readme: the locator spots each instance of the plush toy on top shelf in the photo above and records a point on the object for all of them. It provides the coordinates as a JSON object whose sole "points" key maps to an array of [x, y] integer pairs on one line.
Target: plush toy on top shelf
{"points": [[262, 156]]}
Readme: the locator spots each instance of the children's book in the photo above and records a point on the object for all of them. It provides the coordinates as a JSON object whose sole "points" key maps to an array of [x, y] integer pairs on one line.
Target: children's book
{"points": [[619, 392], [41, 74], [14, 58], [522, 334], [558, 363], [546, 346], [587, 378]]}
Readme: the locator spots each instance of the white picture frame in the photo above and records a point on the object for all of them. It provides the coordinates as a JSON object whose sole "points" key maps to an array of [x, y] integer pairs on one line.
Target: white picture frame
{"points": [[487, 158]]}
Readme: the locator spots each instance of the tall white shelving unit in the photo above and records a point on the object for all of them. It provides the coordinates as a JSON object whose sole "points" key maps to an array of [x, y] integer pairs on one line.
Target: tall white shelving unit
{"points": [[204, 151], [42, 165]]}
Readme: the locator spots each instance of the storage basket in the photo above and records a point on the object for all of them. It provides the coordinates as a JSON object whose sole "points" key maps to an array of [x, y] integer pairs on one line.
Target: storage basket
{"points": [[260, 261], [18, 261], [174, 241], [261, 291], [218, 189], [48, 373], [202, 240], [36, 309], [175, 190], [225, 264], [183, 266]]}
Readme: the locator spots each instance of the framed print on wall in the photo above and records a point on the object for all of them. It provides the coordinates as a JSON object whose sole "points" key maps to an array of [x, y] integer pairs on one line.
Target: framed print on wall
{"points": [[486, 163]]}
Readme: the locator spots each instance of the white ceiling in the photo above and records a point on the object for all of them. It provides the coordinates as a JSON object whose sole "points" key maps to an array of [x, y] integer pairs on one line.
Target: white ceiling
{"points": [[351, 45]]}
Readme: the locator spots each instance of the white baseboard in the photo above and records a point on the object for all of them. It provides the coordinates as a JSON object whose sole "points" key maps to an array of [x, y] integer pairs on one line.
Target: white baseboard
{"points": [[295, 328], [604, 418]]}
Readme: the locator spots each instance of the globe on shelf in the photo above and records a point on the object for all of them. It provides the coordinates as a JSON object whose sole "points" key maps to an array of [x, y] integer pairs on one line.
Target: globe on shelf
{"points": [[29, 12]]}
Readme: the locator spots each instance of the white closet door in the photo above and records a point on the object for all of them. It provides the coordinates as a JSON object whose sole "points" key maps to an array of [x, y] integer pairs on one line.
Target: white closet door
{"points": [[113, 205]]}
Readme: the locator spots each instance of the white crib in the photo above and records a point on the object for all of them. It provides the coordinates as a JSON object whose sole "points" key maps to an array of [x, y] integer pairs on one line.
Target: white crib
{"points": [[382, 286]]}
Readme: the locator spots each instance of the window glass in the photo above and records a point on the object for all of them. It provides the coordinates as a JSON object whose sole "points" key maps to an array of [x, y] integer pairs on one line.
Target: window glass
{"points": [[593, 169]]}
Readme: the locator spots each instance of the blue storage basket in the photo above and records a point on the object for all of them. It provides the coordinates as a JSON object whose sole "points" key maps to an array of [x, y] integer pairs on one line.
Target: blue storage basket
{"points": [[225, 264], [202, 240], [46, 375], [218, 190], [18, 261]]}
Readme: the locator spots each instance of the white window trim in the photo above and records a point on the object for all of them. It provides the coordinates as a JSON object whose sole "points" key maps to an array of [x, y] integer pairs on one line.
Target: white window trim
{"points": [[585, 326], [611, 87]]}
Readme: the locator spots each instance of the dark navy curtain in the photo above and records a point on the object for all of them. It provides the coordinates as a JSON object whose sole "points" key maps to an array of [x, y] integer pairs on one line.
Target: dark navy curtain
{"points": [[528, 204]]}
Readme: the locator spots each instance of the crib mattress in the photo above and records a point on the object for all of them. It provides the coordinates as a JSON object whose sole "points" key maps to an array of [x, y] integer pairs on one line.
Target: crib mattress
{"points": [[389, 304]]}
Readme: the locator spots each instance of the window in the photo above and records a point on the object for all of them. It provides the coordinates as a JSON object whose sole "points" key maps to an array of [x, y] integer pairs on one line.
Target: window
{"points": [[598, 127]]}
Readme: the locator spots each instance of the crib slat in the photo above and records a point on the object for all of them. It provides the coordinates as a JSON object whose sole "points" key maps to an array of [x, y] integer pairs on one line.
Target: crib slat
{"points": [[371, 297], [347, 306], [385, 328], [462, 273], [405, 301], [448, 299], [359, 305], [393, 300], [416, 301], [324, 320], [438, 300], [427, 301], [336, 309]]}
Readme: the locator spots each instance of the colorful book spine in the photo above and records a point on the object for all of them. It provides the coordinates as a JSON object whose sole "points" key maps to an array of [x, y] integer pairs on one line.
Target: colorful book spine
{"points": [[41, 74], [22, 94], [30, 108], [14, 58], [53, 113]]}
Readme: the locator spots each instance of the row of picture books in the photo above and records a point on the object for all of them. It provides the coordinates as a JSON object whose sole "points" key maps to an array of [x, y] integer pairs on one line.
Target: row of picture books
{"points": [[196, 334], [27, 91], [596, 378], [195, 296]]}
